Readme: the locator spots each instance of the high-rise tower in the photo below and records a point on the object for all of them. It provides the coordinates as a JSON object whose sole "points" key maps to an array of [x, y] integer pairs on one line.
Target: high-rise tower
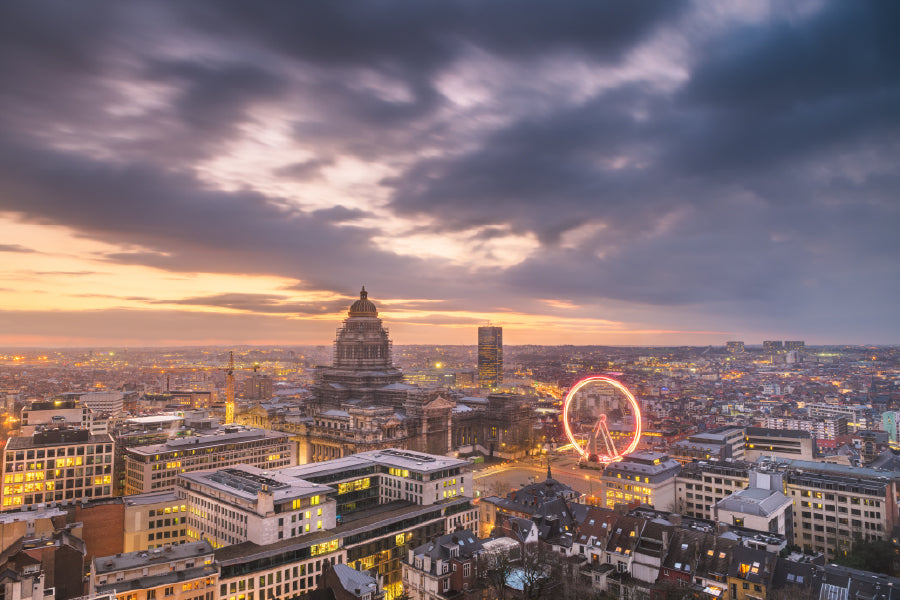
{"points": [[490, 357]]}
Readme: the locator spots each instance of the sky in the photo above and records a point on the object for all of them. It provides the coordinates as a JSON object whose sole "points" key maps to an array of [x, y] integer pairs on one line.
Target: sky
{"points": [[577, 172]]}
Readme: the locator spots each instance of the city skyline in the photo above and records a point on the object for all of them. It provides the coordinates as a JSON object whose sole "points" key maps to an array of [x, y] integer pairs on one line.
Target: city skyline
{"points": [[671, 173]]}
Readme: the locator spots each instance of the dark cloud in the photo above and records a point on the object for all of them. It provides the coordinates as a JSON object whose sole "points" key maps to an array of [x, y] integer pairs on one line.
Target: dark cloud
{"points": [[65, 273], [438, 319], [213, 96], [419, 37], [15, 248], [761, 190], [306, 169], [186, 226], [262, 303]]}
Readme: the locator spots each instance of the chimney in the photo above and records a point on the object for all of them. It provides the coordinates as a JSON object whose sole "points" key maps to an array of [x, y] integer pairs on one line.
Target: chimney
{"points": [[675, 519]]}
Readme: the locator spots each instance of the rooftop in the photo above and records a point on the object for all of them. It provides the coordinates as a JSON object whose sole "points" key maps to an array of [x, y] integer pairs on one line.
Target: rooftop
{"points": [[754, 501], [144, 558], [223, 435], [45, 439], [151, 498], [352, 579], [246, 482], [401, 459]]}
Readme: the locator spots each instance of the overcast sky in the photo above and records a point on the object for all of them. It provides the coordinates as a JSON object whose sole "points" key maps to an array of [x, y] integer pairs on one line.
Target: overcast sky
{"points": [[578, 172]]}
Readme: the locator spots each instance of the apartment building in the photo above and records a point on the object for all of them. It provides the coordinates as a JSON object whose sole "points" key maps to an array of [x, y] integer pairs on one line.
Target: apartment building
{"points": [[56, 465], [244, 503], [856, 414], [155, 468], [68, 412], [818, 428], [701, 485], [154, 520], [762, 506], [640, 478], [832, 507], [778, 443], [185, 572], [718, 444], [375, 507], [444, 568]]}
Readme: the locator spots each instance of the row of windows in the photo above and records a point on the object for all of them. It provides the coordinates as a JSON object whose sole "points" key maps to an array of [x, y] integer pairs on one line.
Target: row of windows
{"points": [[52, 452]]}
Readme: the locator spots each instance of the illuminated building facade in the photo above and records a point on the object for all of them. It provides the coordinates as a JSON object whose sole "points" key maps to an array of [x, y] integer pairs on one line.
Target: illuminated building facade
{"points": [[155, 468], [258, 387], [701, 485], [154, 520], [337, 433], [243, 503], [778, 443], [69, 412], [181, 572], [794, 345], [734, 347], [640, 478], [60, 465], [820, 429], [773, 346], [360, 403], [376, 507], [490, 357], [362, 360], [836, 504]]}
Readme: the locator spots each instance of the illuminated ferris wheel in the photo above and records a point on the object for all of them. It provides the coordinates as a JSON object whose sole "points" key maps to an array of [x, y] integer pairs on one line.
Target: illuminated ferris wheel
{"points": [[602, 419]]}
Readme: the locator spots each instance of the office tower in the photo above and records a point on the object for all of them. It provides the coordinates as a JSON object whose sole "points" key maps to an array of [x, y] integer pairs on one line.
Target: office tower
{"points": [[490, 357], [798, 345], [734, 347], [773, 346], [154, 468], [258, 387], [366, 511], [59, 464]]}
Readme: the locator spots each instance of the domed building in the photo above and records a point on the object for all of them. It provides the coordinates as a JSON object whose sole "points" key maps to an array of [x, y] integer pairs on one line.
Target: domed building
{"points": [[360, 402], [362, 359]]}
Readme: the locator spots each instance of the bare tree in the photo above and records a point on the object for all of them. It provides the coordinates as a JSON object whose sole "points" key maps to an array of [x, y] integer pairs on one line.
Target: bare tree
{"points": [[791, 592], [539, 571], [494, 569]]}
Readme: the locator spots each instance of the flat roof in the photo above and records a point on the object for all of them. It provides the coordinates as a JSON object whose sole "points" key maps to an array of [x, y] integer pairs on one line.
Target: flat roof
{"points": [[832, 468], [154, 419], [778, 433], [205, 440], [24, 443], [246, 481], [141, 558], [7, 517], [401, 459], [151, 498]]}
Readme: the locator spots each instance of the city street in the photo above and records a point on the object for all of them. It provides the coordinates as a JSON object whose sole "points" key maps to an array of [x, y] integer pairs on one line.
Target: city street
{"points": [[497, 480]]}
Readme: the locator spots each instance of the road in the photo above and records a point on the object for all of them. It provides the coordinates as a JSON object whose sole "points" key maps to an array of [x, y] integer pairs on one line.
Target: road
{"points": [[500, 479]]}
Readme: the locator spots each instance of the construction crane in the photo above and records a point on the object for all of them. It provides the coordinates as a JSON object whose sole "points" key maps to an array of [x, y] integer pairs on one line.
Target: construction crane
{"points": [[229, 390]]}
